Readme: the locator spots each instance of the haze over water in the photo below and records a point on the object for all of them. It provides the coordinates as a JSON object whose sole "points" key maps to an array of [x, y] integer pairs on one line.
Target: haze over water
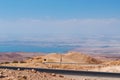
{"points": [[58, 26]]}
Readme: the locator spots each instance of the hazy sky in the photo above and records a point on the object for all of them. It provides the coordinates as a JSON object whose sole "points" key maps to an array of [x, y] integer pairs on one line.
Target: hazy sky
{"points": [[59, 17]]}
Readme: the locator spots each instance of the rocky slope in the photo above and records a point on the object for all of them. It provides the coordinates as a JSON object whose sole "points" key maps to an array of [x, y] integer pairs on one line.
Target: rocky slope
{"points": [[6, 74]]}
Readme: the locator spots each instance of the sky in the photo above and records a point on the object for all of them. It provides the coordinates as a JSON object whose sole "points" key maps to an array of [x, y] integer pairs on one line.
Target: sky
{"points": [[39, 18]]}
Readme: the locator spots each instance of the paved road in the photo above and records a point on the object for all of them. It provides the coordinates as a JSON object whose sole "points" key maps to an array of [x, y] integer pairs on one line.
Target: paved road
{"points": [[68, 72]]}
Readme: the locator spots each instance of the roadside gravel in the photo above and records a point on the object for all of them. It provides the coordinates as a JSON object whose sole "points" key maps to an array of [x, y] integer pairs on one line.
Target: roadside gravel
{"points": [[6, 74]]}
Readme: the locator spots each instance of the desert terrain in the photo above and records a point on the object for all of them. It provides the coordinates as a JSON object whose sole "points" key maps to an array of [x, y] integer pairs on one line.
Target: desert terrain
{"points": [[69, 60], [6, 74]]}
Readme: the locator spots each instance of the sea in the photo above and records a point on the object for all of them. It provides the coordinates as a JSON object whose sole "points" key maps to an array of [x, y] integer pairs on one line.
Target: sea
{"points": [[32, 48]]}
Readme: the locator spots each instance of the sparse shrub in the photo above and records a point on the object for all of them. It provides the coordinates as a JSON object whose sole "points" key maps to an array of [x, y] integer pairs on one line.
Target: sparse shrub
{"points": [[5, 62], [15, 62], [22, 62], [2, 63]]}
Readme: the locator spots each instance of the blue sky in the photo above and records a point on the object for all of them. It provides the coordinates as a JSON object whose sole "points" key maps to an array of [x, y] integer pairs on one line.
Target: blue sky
{"points": [[29, 18]]}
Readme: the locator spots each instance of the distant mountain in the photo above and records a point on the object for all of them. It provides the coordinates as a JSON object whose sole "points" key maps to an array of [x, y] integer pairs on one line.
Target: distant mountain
{"points": [[17, 56]]}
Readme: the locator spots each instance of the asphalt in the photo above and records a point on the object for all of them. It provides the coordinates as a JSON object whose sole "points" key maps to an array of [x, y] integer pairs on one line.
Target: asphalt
{"points": [[67, 72]]}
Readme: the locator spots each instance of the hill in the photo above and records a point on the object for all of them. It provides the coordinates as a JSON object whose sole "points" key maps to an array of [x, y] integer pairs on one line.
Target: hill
{"points": [[70, 57], [16, 56]]}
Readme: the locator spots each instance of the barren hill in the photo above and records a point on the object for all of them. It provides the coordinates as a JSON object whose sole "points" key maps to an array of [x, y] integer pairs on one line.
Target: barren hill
{"points": [[70, 57], [18, 56], [81, 58], [10, 57]]}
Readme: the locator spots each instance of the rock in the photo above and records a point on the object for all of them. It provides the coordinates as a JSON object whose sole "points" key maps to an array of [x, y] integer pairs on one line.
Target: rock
{"points": [[10, 78], [86, 79], [22, 77], [44, 75], [53, 74], [25, 77], [34, 71], [18, 69], [1, 74], [61, 76]]}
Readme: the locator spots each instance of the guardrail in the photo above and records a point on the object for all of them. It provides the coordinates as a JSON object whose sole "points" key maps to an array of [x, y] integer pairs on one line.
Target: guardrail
{"points": [[71, 63]]}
